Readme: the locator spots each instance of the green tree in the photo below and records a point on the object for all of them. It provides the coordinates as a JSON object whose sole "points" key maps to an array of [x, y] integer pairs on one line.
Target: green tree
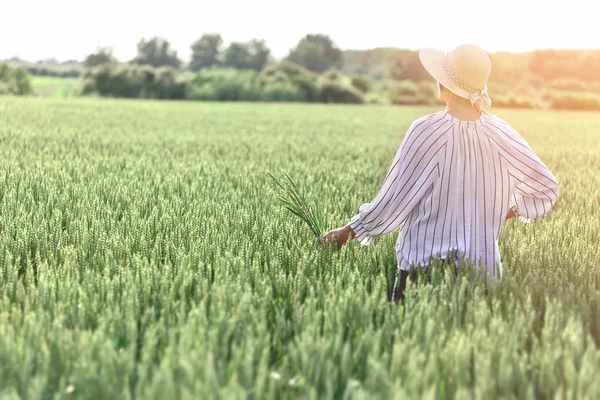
{"points": [[317, 53], [237, 56], [407, 66], [206, 52], [250, 55], [156, 52], [102, 55], [14, 80], [557, 64], [259, 54], [22, 81]]}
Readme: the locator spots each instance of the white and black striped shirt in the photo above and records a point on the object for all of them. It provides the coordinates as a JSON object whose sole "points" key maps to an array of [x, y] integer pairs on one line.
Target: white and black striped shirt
{"points": [[450, 187]]}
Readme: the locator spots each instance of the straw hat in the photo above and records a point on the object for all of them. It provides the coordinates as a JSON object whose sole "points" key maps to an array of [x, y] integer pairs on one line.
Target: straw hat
{"points": [[464, 71]]}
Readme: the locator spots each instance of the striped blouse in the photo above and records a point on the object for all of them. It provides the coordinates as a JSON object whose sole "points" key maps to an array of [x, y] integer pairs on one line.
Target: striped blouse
{"points": [[450, 187]]}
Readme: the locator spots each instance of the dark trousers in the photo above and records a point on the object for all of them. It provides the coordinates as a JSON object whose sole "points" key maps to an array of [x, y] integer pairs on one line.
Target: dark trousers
{"points": [[403, 276]]}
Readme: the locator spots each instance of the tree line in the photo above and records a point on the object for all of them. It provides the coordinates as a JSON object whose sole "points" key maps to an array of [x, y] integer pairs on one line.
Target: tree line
{"points": [[241, 71], [315, 52], [318, 52], [315, 70]]}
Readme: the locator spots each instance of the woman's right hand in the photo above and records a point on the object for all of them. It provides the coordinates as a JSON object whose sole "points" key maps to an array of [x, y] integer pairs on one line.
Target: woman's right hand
{"points": [[511, 214], [338, 235]]}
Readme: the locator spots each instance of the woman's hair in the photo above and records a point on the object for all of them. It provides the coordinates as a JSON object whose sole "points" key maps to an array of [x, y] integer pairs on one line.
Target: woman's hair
{"points": [[480, 101], [458, 98]]}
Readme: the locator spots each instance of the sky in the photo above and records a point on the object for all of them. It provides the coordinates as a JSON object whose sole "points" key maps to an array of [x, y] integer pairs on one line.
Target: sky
{"points": [[72, 29]]}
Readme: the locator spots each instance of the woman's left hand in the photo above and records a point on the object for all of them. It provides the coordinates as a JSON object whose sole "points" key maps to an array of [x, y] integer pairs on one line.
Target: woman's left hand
{"points": [[338, 235]]}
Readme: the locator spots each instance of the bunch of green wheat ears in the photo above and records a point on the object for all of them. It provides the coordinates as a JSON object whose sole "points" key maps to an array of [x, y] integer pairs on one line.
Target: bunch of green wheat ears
{"points": [[295, 202]]}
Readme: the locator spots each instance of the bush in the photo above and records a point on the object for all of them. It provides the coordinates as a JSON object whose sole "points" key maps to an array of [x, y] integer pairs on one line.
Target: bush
{"points": [[409, 100], [428, 90], [165, 85], [281, 91], [361, 83], [536, 82], [286, 67], [224, 85], [14, 80], [22, 82], [412, 93], [230, 89], [69, 74], [567, 84], [251, 91], [57, 72], [308, 86], [594, 87], [204, 92], [575, 102], [332, 74], [277, 76], [375, 98], [304, 80], [333, 92], [133, 81], [515, 102], [113, 80], [273, 84], [406, 88]]}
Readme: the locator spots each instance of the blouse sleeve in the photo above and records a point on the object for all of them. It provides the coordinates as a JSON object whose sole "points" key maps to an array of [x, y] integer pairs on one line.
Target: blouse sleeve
{"points": [[536, 189], [414, 169]]}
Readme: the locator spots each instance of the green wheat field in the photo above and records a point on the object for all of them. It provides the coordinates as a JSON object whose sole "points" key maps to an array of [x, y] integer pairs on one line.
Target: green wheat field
{"points": [[144, 254]]}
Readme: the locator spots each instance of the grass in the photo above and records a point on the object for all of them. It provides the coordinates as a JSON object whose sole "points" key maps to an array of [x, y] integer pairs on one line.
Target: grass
{"points": [[144, 254], [49, 86]]}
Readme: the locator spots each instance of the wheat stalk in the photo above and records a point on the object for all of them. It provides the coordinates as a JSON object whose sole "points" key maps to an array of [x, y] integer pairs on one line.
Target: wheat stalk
{"points": [[295, 202]]}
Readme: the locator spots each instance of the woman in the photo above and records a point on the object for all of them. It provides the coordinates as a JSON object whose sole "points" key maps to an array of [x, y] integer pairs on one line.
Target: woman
{"points": [[458, 175]]}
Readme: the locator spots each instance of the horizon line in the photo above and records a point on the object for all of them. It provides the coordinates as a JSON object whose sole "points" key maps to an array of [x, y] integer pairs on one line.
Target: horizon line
{"points": [[413, 49]]}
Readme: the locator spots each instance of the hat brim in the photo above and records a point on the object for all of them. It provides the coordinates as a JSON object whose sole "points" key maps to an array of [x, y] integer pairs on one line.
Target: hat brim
{"points": [[432, 60]]}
